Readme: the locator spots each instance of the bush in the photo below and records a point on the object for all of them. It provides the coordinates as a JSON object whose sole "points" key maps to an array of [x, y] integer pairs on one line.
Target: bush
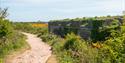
{"points": [[6, 29], [79, 50], [16, 42], [73, 49], [10, 40], [113, 50], [26, 27]]}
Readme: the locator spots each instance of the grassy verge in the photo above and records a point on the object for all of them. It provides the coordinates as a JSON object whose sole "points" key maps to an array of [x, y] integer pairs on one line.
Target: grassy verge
{"points": [[15, 43]]}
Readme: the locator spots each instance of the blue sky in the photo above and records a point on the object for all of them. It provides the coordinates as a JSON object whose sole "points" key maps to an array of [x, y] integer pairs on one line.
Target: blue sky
{"points": [[45, 10]]}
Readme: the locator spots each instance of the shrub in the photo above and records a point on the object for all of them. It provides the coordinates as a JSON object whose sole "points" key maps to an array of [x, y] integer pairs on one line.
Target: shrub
{"points": [[113, 50], [16, 42], [6, 29], [79, 50], [10, 40]]}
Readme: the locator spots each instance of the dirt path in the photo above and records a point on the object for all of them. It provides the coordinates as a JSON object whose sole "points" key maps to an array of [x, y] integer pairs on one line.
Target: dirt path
{"points": [[39, 52]]}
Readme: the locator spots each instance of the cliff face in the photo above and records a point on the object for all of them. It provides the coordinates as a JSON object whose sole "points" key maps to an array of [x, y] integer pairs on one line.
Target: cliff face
{"points": [[83, 28]]}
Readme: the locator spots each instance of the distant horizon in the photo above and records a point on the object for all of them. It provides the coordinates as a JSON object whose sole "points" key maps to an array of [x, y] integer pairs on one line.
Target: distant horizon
{"points": [[65, 18], [46, 10]]}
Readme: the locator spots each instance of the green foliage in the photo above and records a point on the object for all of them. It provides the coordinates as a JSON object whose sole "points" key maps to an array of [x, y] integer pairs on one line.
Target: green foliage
{"points": [[6, 29], [122, 29], [96, 35], [23, 26], [72, 42], [10, 40], [27, 27], [47, 37], [73, 49], [113, 50], [101, 31], [78, 50], [14, 43], [68, 30], [124, 20]]}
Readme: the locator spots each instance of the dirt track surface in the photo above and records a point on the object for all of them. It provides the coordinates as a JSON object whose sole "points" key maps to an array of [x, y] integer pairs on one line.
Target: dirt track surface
{"points": [[39, 52]]}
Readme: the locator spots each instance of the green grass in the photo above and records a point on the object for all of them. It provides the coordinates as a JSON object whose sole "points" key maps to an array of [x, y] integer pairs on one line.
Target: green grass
{"points": [[12, 44]]}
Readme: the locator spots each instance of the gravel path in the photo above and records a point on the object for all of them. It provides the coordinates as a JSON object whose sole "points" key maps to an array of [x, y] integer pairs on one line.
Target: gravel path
{"points": [[39, 52]]}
